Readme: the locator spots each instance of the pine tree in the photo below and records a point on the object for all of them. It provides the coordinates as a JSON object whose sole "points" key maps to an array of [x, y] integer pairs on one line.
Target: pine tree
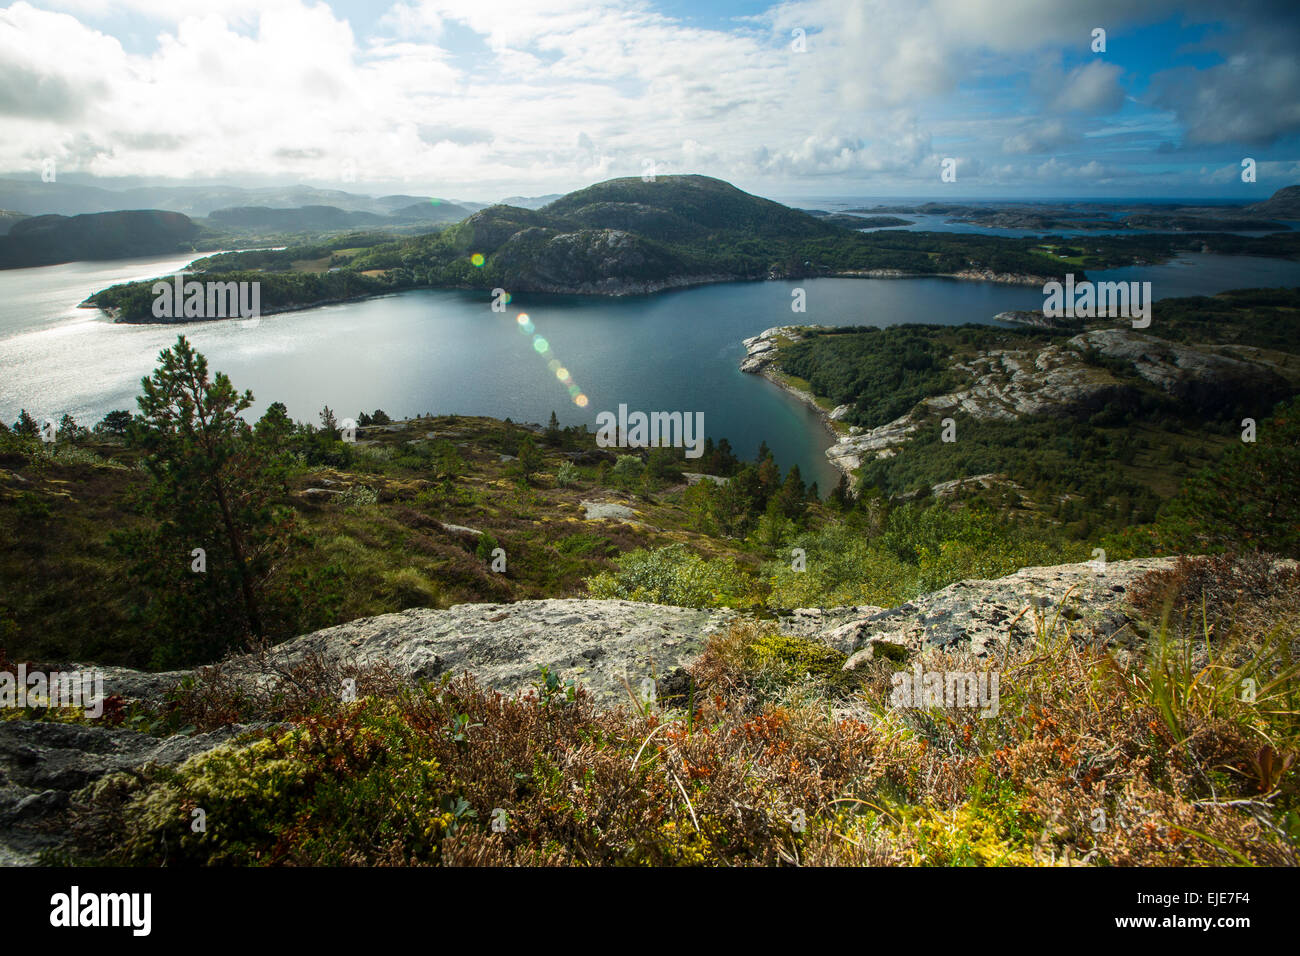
{"points": [[213, 484], [792, 499], [840, 496], [530, 458], [26, 426], [328, 423], [115, 423]]}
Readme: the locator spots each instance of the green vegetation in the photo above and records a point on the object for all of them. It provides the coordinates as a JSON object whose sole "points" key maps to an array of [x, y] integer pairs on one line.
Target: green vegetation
{"points": [[673, 575], [338, 530], [212, 531], [43, 240], [753, 766], [1101, 468], [627, 230], [767, 751], [883, 372]]}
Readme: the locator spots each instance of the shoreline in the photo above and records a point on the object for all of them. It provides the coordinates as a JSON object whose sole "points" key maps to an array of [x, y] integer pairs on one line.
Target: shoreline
{"points": [[624, 288], [759, 361]]}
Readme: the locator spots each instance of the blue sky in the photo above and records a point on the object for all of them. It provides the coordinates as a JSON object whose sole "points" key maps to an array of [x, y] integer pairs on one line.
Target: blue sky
{"points": [[479, 99]]}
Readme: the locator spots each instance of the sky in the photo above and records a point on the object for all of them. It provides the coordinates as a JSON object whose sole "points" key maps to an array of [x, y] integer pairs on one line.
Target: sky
{"points": [[480, 99]]}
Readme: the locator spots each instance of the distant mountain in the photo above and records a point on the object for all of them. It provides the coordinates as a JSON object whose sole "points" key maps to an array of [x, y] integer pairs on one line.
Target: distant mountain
{"points": [[1283, 204], [70, 199], [678, 207], [631, 237], [436, 211], [290, 220], [8, 218], [528, 202], [45, 240], [327, 218]]}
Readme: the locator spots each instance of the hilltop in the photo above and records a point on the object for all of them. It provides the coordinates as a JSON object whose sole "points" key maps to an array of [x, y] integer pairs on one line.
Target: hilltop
{"points": [[7, 218], [45, 240], [1283, 204], [626, 235], [539, 713], [461, 622], [631, 236]]}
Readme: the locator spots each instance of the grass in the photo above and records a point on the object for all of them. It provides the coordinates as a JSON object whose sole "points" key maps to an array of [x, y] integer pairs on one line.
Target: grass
{"points": [[382, 537], [772, 757]]}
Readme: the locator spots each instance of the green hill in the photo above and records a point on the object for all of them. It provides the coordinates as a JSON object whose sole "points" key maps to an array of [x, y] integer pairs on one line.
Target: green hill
{"points": [[8, 217], [45, 240], [630, 236], [1283, 204], [683, 207]]}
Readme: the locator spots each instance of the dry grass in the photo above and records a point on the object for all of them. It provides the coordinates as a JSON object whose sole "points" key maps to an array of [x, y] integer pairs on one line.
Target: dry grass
{"points": [[765, 762]]}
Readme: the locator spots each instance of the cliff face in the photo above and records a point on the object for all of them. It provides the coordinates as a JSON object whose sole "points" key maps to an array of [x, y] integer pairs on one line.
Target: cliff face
{"points": [[599, 644], [606, 261]]}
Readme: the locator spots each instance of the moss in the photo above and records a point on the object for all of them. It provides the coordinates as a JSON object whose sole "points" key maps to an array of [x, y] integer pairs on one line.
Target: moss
{"points": [[790, 660], [966, 835], [343, 790]]}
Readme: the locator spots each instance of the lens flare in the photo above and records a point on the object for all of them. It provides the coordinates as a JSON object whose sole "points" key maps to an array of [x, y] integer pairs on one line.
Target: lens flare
{"points": [[543, 348], [476, 260]]}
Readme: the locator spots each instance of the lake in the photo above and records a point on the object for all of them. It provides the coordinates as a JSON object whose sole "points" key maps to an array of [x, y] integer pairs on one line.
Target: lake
{"points": [[446, 352]]}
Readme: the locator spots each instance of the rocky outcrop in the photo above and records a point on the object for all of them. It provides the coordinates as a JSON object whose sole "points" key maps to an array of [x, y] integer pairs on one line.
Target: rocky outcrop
{"points": [[985, 618], [607, 511], [1083, 372], [1035, 318], [43, 763], [593, 262], [761, 349], [602, 645], [947, 489]]}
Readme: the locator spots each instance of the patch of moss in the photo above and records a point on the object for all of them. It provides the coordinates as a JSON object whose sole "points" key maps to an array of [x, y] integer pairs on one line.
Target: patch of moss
{"points": [[790, 660]]}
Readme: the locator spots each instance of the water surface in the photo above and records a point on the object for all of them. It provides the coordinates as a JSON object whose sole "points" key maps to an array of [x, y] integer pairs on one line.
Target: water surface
{"points": [[446, 352]]}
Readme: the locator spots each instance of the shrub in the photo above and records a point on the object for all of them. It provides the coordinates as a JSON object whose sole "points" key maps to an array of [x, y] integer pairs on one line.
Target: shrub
{"points": [[359, 496], [627, 469], [674, 575], [568, 475]]}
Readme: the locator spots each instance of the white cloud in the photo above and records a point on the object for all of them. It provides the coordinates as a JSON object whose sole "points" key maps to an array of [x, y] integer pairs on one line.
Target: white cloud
{"points": [[466, 96], [1040, 137], [1092, 88]]}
